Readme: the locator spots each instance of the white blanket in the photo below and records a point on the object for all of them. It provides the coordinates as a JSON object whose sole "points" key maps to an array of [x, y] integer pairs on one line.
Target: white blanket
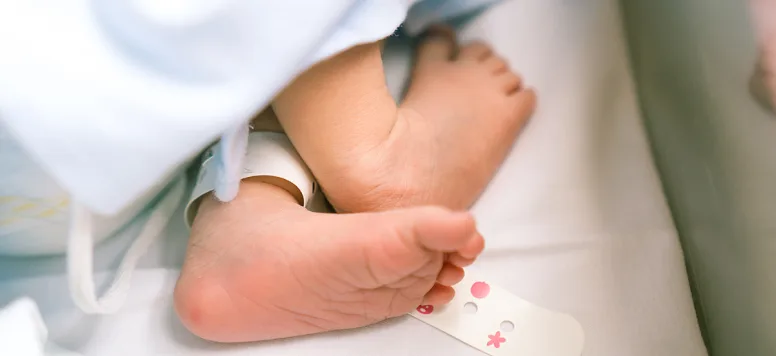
{"points": [[110, 97]]}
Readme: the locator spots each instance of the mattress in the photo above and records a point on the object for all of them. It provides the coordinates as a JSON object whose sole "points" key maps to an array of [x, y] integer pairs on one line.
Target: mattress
{"points": [[575, 221]]}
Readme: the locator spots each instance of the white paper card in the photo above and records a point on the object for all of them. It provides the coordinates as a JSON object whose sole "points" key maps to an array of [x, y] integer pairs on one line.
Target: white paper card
{"points": [[497, 322]]}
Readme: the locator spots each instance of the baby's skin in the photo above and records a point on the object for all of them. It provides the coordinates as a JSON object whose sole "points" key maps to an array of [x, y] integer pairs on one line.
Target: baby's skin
{"points": [[263, 267]]}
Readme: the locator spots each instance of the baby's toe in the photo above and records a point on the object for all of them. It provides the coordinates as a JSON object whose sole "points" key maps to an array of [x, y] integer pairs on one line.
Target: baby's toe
{"points": [[510, 82], [460, 261], [475, 51], [439, 295], [441, 230], [450, 275], [438, 44], [496, 65], [523, 103]]}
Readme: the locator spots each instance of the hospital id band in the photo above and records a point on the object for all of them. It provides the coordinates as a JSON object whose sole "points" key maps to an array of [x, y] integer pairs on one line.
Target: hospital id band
{"points": [[269, 154]]}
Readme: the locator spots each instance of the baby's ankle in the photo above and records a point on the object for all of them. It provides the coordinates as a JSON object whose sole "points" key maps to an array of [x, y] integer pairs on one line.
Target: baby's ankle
{"points": [[271, 196], [385, 177]]}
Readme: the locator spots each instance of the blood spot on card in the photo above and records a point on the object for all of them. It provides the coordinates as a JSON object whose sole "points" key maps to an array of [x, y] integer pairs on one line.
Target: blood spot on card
{"points": [[425, 309], [480, 290], [496, 340]]}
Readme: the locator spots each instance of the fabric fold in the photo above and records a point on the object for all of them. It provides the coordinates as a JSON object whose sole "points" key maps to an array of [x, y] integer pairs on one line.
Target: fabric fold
{"points": [[110, 97]]}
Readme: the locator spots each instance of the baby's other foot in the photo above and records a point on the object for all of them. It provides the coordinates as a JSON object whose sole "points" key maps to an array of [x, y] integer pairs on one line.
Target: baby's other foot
{"points": [[463, 111], [262, 267]]}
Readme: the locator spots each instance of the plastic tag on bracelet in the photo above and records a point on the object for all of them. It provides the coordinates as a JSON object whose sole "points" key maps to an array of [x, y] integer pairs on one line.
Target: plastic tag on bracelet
{"points": [[269, 154], [497, 322]]}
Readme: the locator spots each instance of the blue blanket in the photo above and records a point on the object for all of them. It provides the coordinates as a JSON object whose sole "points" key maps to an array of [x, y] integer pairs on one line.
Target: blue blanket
{"points": [[109, 97]]}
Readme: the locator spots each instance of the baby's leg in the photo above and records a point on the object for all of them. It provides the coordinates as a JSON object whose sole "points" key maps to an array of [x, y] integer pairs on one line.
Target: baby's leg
{"points": [[442, 145], [263, 267]]}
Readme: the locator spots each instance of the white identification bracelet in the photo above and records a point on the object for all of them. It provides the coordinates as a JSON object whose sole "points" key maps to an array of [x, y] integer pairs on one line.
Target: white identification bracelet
{"points": [[269, 154], [497, 322]]}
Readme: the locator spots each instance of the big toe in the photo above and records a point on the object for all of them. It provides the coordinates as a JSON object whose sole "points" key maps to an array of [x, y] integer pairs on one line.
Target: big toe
{"points": [[475, 51], [523, 106], [437, 45], [441, 230]]}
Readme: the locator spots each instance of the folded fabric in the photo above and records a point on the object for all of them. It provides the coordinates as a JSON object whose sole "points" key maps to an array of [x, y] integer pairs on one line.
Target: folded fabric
{"points": [[23, 333], [109, 97]]}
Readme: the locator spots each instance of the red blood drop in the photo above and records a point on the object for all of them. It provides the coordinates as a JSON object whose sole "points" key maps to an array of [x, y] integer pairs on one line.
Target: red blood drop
{"points": [[425, 309], [480, 290]]}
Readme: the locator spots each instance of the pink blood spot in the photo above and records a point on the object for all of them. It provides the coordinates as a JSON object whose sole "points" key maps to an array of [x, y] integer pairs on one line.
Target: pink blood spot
{"points": [[480, 290], [425, 309]]}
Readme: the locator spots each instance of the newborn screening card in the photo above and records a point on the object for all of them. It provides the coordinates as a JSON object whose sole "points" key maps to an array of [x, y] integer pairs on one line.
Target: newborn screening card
{"points": [[497, 322]]}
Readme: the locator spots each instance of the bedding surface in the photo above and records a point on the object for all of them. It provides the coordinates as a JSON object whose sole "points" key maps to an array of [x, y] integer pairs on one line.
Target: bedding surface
{"points": [[714, 144], [575, 221]]}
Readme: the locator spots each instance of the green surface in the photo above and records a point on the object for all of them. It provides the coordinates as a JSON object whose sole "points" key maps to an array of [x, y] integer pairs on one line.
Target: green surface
{"points": [[715, 148]]}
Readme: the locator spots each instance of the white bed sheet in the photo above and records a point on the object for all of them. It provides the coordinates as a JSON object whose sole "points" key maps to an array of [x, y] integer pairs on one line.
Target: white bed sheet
{"points": [[575, 220]]}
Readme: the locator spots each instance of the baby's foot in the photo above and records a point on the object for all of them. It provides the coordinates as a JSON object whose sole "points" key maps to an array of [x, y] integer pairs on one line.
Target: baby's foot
{"points": [[460, 117], [262, 267]]}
